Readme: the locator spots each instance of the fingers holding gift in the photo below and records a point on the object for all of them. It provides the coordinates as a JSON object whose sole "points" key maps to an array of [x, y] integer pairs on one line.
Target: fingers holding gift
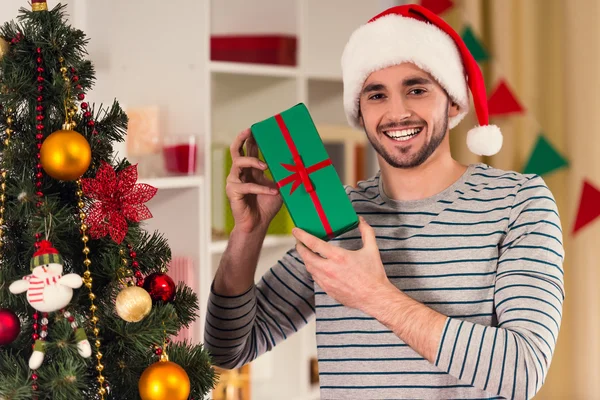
{"points": [[241, 165], [251, 147], [237, 146], [316, 245], [310, 259], [368, 234], [238, 190]]}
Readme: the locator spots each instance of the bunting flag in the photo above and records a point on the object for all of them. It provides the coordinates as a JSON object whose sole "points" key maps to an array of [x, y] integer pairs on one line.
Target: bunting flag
{"points": [[502, 101], [437, 6], [589, 206], [474, 45], [544, 158]]}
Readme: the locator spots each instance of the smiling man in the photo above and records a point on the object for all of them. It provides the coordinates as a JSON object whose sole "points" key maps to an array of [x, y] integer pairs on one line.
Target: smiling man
{"points": [[452, 285]]}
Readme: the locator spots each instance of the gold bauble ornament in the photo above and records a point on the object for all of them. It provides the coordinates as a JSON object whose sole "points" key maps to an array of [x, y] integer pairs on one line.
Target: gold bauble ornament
{"points": [[4, 47], [65, 155], [164, 380], [133, 304]]}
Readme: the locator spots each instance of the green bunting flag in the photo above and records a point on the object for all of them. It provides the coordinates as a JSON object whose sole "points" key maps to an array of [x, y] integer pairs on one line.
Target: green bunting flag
{"points": [[544, 158], [474, 45]]}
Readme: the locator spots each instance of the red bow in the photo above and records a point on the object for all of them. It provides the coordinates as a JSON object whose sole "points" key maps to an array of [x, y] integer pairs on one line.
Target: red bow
{"points": [[301, 174]]}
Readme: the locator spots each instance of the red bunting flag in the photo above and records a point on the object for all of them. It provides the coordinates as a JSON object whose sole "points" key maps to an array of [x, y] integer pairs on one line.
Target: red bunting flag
{"points": [[589, 206], [502, 101], [437, 6]]}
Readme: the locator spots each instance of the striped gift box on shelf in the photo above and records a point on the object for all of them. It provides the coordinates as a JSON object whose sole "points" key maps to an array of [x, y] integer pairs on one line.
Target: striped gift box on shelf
{"points": [[181, 269]]}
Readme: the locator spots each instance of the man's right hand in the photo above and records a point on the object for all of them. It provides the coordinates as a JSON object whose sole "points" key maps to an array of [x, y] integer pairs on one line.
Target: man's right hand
{"points": [[254, 199]]}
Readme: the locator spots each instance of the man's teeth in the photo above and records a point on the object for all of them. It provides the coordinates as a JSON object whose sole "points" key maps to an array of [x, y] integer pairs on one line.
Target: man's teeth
{"points": [[404, 134]]}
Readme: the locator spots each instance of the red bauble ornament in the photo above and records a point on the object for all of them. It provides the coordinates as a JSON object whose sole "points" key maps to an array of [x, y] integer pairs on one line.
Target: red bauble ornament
{"points": [[160, 287], [10, 326]]}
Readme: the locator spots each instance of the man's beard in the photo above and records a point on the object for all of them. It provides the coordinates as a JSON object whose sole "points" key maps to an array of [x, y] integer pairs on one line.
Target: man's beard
{"points": [[422, 155]]}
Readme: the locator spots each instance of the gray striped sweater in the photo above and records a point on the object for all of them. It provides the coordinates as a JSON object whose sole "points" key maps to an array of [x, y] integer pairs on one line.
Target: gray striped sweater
{"points": [[486, 252]]}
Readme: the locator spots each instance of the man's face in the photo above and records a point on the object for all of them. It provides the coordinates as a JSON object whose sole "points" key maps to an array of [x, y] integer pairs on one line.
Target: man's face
{"points": [[405, 112]]}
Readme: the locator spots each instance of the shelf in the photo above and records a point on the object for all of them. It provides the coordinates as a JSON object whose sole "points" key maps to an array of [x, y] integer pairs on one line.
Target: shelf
{"points": [[253, 69], [174, 182], [333, 77], [219, 246]]}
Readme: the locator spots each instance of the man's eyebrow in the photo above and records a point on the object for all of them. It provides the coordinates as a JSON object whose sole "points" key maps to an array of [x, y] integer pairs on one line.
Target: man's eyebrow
{"points": [[412, 81], [373, 87], [417, 80]]}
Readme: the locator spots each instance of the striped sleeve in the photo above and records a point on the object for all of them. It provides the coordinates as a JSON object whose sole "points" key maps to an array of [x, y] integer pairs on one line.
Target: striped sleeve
{"points": [[241, 328], [512, 359]]}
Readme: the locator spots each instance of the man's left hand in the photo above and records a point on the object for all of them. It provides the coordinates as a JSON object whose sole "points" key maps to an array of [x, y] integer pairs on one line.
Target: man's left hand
{"points": [[354, 278]]}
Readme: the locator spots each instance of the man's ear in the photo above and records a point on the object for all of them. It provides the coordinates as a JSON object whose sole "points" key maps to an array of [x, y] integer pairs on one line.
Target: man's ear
{"points": [[453, 109]]}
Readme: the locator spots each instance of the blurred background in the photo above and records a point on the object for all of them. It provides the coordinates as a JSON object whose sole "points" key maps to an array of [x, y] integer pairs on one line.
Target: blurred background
{"points": [[193, 73]]}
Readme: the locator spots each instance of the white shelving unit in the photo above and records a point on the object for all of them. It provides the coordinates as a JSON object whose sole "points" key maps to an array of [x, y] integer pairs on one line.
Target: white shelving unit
{"points": [[252, 69], [157, 54], [183, 182], [271, 241]]}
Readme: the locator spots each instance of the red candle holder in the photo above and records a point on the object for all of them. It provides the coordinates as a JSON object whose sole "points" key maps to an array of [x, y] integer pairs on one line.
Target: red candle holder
{"points": [[180, 153]]}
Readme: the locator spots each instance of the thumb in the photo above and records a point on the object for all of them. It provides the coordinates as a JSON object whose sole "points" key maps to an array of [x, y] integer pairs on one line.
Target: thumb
{"points": [[367, 233]]}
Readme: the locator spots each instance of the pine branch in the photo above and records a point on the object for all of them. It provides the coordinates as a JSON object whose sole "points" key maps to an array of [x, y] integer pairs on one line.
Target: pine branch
{"points": [[153, 250], [197, 363], [62, 378], [186, 304], [14, 377]]}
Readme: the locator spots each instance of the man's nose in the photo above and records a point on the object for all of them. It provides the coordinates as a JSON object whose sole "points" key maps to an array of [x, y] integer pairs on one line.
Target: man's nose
{"points": [[398, 109]]}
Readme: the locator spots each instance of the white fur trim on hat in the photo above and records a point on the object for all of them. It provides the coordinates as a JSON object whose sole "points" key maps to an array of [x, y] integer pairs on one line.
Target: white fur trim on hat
{"points": [[392, 40], [484, 140]]}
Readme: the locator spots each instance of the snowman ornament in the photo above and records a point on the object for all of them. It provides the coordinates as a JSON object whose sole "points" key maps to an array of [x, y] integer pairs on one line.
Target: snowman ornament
{"points": [[48, 290]]}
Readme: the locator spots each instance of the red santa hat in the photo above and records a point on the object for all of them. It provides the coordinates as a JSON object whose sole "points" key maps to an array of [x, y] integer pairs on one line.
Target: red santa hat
{"points": [[46, 254], [411, 33]]}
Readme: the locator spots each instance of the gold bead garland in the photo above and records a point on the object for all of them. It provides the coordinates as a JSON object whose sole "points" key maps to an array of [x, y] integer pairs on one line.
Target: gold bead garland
{"points": [[125, 273], [8, 131], [87, 281]]}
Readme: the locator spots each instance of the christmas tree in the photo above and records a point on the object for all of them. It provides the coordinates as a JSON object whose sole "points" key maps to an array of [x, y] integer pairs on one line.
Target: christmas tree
{"points": [[86, 304]]}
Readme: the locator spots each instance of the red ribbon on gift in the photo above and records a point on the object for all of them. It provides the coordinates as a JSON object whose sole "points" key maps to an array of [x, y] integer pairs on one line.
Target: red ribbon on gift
{"points": [[301, 174]]}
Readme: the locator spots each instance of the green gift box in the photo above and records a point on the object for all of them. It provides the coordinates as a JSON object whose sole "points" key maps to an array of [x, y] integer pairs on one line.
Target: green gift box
{"points": [[309, 184]]}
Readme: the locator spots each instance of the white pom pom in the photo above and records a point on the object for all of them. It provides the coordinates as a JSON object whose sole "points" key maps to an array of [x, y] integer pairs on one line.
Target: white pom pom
{"points": [[484, 140]]}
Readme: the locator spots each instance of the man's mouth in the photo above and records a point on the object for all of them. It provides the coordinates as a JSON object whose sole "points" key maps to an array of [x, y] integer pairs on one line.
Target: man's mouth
{"points": [[401, 135]]}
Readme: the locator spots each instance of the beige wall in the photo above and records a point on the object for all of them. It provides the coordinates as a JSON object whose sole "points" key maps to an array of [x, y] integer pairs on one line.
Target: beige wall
{"points": [[549, 52]]}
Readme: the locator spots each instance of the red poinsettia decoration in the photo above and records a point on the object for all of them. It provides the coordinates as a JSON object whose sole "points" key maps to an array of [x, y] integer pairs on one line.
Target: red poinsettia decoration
{"points": [[118, 200]]}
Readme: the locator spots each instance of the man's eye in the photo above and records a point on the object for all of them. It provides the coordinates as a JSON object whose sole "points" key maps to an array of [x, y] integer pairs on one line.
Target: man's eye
{"points": [[376, 96], [417, 91]]}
